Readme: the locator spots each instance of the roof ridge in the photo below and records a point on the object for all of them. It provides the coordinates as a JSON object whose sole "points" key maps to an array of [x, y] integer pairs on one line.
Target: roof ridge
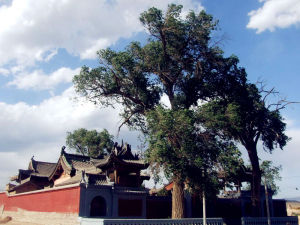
{"points": [[45, 162], [67, 153]]}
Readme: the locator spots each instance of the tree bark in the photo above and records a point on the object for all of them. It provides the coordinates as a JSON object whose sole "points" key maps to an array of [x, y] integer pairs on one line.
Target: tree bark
{"points": [[178, 200], [256, 180]]}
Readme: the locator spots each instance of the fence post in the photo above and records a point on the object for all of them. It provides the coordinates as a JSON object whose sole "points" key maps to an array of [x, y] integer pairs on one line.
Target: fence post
{"points": [[243, 221], [203, 200], [267, 201]]}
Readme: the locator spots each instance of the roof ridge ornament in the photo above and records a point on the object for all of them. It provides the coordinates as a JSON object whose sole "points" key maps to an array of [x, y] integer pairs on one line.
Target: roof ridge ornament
{"points": [[116, 149], [31, 164], [63, 150]]}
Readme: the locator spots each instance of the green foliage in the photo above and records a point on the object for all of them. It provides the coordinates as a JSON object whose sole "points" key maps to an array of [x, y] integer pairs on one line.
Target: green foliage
{"points": [[90, 143], [177, 61], [180, 62], [163, 192], [230, 165], [271, 174], [246, 118], [182, 148], [175, 143]]}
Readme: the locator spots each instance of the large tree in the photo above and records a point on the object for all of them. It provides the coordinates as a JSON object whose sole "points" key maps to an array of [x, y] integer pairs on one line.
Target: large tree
{"points": [[90, 142], [245, 117], [180, 62]]}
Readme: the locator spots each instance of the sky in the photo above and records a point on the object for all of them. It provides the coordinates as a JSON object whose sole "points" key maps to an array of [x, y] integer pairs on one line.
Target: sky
{"points": [[43, 44]]}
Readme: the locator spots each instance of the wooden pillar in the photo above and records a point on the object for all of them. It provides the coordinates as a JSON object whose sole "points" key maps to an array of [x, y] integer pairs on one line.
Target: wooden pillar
{"points": [[116, 176], [138, 178]]}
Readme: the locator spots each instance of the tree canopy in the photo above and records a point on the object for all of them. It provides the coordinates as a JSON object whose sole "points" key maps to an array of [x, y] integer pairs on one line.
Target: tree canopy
{"points": [[181, 62], [178, 61], [90, 142]]}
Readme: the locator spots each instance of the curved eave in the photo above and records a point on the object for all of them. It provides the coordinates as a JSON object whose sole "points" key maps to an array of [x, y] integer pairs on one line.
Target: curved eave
{"points": [[140, 164], [105, 163], [30, 166], [66, 165], [62, 161], [14, 178], [24, 182]]}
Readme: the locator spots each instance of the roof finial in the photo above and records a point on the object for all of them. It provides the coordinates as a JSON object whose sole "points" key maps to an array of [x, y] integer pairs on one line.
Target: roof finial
{"points": [[116, 144], [115, 149], [63, 150]]}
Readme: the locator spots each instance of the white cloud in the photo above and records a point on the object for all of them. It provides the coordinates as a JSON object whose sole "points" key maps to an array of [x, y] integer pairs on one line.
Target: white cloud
{"points": [[289, 159], [32, 30], [4, 72], [40, 130], [275, 14], [38, 80]]}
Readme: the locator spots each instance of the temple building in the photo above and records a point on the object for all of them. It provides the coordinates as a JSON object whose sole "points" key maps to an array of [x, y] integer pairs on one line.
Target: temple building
{"points": [[121, 168], [77, 184]]}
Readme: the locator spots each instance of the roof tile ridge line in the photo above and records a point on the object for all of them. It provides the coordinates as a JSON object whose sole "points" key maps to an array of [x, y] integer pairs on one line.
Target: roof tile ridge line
{"points": [[44, 162], [76, 155], [107, 160], [93, 163]]}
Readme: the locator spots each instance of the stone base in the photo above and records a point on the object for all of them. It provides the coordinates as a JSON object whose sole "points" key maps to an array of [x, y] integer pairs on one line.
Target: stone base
{"points": [[41, 218]]}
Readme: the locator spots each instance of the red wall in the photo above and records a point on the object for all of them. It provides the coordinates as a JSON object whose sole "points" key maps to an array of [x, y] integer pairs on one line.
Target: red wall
{"points": [[62, 200]]}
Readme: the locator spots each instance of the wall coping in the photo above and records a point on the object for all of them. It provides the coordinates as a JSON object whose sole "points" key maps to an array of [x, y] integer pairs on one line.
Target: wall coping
{"points": [[42, 190]]}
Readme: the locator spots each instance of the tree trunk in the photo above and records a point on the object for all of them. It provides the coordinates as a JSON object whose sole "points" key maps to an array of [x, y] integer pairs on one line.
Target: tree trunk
{"points": [[256, 180], [178, 200]]}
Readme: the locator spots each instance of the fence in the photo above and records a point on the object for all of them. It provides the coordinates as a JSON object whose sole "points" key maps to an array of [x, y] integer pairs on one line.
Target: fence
{"points": [[190, 221], [290, 220]]}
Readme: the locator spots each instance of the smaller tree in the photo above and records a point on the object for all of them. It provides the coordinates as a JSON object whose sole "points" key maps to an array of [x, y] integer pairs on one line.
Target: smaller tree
{"points": [[231, 168], [271, 174], [244, 116], [90, 142]]}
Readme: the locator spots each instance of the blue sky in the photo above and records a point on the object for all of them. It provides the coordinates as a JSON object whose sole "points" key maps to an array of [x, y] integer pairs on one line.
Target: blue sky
{"points": [[41, 50]]}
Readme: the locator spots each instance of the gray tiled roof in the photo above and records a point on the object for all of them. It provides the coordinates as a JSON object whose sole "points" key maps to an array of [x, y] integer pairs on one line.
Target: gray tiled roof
{"points": [[35, 168], [78, 162], [42, 169]]}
